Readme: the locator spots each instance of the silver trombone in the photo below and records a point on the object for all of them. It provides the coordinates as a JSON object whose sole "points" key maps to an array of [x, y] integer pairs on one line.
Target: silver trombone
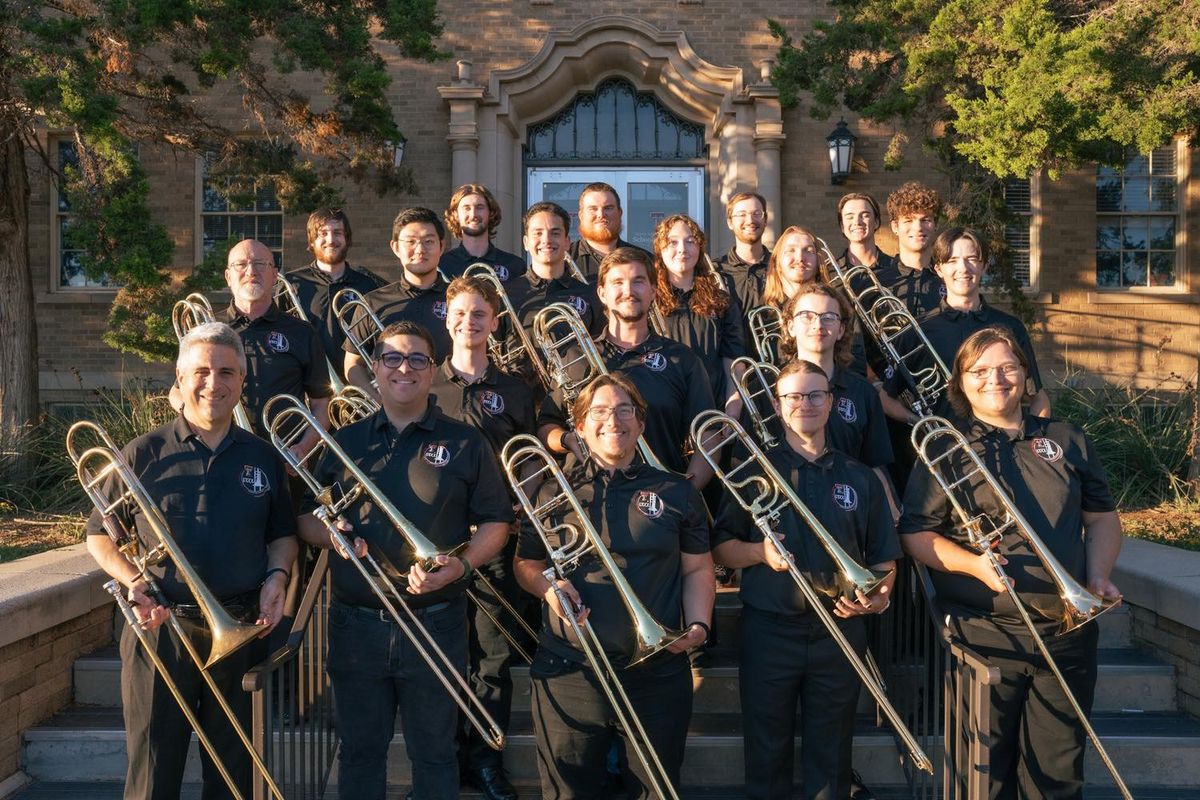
{"points": [[765, 495], [756, 387], [954, 464], [889, 322], [505, 357], [294, 414], [347, 306], [288, 299], [116, 492], [766, 329], [195, 310], [574, 269], [567, 544], [573, 360]]}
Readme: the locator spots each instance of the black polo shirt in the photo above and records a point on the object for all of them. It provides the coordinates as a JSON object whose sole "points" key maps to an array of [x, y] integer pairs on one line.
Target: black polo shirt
{"points": [[507, 265], [845, 496], [749, 278], [647, 519], [711, 338], [530, 293], [401, 300], [283, 356], [588, 259], [857, 425], [223, 506], [1051, 472], [498, 404], [439, 473], [947, 330], [673, 382], [317, 291], [920, 289]]}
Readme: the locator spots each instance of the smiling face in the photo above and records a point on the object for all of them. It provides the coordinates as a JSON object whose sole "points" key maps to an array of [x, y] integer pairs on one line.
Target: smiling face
{"points": [[626, 291], [545, 240], [473, 215], [859, 222], [994, 384], [813, 326], [329, 243], [250, 272], [403, 386], [806, 415], [470, 320], [797, 260], [210, 383], [747, 220], [914, 232], [599, 217], [681, 250], [963, 271], [612, 439], [419, 248]]}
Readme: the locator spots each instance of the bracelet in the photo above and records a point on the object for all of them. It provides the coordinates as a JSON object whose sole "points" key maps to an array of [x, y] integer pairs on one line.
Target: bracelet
{"points": [[287, 576], [467, 568], [704, 627]]}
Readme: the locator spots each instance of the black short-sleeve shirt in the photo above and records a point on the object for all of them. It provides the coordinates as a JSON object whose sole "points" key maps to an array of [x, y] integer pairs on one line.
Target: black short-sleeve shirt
{"points": [[646, 518], [401, 300], [223, 506], [439, 473], [846, 498], [857, 425], [1052, 473], [921, 289], [284, 355], [507, 265], [498, 404], [317, 291], [749, 279], [673, 382], [712, 338], [588, 259]]}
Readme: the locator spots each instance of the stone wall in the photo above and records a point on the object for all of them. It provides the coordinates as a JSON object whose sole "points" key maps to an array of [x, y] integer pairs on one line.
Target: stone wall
{"points": [[1178, 645]]}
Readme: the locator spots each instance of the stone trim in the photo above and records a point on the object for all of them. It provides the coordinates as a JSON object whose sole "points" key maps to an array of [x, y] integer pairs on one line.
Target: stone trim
{"points": [[48, 589]]}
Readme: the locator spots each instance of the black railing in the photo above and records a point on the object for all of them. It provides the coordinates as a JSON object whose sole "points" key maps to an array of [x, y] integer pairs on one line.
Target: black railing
{"points": [[293, 703]]}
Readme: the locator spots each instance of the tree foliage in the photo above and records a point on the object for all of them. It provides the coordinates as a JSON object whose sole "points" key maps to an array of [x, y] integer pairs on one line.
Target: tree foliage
{"points": [[115, 73]]}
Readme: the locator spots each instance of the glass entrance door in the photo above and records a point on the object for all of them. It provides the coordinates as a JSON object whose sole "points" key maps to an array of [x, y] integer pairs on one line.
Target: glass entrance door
{"points": [[648, 195]]}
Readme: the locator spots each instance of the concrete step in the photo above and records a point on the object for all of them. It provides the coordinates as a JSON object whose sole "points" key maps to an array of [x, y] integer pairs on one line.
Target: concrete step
{"points": [[88, 744], [1129, 679]]}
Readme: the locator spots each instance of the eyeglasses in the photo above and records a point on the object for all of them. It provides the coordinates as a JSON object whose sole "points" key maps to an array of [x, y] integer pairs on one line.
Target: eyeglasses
{"points": [[828, 319], [816, 398], [257, 266], [1009, 371], [742, 216], [394, 359], [624, 412], [409, 243]]}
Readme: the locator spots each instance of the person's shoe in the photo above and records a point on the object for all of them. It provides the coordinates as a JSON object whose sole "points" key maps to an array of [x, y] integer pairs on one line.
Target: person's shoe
{"points": [[858, 791], [493, 783]]}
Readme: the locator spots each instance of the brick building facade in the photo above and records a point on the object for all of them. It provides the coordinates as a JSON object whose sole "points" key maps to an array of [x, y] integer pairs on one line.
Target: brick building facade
{"points": [[698, 65]]}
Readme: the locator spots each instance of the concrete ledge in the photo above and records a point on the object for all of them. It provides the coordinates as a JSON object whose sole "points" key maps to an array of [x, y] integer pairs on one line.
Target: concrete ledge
{"points": [[1162, 579], [48, 589]]}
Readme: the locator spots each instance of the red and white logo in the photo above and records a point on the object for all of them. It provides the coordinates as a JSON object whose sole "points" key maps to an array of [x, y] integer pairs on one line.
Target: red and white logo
{"points": [[278, 342], [254, 481], [650, 504], [846, 409], [656, 362], [845, 496], [436, 454], [1048, 449], [439, 309], [492, 402]]}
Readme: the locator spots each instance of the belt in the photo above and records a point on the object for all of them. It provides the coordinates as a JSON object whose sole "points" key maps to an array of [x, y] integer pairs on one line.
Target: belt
{"points": [[383, 615], [238, 606]]}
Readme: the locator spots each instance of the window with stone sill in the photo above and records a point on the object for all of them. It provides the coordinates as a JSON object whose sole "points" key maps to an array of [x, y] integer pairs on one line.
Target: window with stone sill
{"points": [[259, 218], [1137, 221], [68, 257]]}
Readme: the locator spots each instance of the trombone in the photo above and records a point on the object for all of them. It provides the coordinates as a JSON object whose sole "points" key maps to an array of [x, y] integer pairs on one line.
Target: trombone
{"points": [[756, 387], [347, 306], [508, 357], [574, 354], [102, 471], [765, 495], [1078, 606], [890, 323], [525, 455], [195, 310], [766, 329], [288, 299], [349, 405]]}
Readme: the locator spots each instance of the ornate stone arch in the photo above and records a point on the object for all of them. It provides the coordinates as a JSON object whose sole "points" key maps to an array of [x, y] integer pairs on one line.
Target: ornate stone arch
{"points": [[742, 123]]}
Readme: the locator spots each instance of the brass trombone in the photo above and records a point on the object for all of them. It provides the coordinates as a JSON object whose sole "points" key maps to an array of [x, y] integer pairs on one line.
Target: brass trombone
{"points": [[756, 387], [346, 306], [889, 322], [1077, 607], [504, 357], [115, 490], [195, 310], [766, 329], [288, 299], [573, 360], [568, 544], [350, 405], [764, 494]]}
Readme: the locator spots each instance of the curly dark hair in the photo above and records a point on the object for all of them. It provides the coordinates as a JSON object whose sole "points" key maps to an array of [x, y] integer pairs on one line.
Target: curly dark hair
{"points": [[914, 198]]}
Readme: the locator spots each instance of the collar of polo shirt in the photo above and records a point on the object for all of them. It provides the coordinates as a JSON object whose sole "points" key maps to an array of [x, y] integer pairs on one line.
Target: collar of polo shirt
{"points": [[425, 421], [489, 374]]}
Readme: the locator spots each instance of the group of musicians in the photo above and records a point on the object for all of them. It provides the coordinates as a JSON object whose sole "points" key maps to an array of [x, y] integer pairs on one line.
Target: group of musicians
{"points": [[669, 327]]}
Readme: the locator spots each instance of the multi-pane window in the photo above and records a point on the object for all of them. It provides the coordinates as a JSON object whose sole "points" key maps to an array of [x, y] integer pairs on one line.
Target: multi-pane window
{"points": [[70, 256], [1137, 217], [260, 218], [1019, 203]]}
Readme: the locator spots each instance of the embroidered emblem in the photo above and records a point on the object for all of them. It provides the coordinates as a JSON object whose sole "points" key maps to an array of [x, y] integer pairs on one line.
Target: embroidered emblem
{"points": [[1048, 449], [942, 291], [655, 362], [579, 304], [501, 272], [650, 504], [439, 309], [492, 402], [845, 496], [254, 481], [278, 342], [889, 372], [846, 409], [436, 454]]}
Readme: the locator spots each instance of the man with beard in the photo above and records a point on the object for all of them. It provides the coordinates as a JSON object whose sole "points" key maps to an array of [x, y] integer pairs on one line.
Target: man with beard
{"points": [[746, 261], [473, 217], [599, 228], [419, 294], [329, 239]]}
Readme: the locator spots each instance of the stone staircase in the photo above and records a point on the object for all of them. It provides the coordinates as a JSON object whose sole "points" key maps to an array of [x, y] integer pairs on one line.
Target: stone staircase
{"points": [[81, 751]]}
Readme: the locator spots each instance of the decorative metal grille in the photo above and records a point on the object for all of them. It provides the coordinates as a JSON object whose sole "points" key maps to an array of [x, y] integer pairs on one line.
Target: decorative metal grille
{"points": [[615, 123]]}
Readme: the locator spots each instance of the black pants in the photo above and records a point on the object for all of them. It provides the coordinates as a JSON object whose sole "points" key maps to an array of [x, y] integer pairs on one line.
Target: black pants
{"points": [[156, 731], [787, 659], [574, 725], [1037, 741]]}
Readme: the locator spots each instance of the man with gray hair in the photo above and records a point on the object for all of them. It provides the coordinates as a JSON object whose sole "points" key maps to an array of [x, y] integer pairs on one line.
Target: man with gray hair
{"points": [[223, 492]]}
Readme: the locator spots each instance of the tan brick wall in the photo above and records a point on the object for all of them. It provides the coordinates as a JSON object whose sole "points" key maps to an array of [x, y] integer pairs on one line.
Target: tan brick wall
{"points": [[1176, 644], [35, 676]]}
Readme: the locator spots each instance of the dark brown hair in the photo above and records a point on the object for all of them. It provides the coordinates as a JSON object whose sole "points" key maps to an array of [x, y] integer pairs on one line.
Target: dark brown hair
{"points": [[709, 298], [601, 187], [970, 351], [583, 401], [943, 246], [739, 197], [408, 216], [799, 366], [406, 327], [841, 351], [846, 198], [323, 215], [627, 255], [546, 207], [913, 198]]}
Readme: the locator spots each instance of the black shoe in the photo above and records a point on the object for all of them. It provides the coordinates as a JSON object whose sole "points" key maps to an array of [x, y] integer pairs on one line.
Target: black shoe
{"points": [[493, 783], [857, 790]]}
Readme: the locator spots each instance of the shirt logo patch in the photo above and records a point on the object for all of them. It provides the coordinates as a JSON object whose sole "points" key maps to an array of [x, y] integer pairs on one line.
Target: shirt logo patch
{"points": [[436, 454], [492, 402], [650, 504], [1048, 449], [278, 342], [439, 309], [501, 272], [579, 304], [254, 481], [889, 373], [655, 362], [846, 409], [845, 496], [942, 291]]}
